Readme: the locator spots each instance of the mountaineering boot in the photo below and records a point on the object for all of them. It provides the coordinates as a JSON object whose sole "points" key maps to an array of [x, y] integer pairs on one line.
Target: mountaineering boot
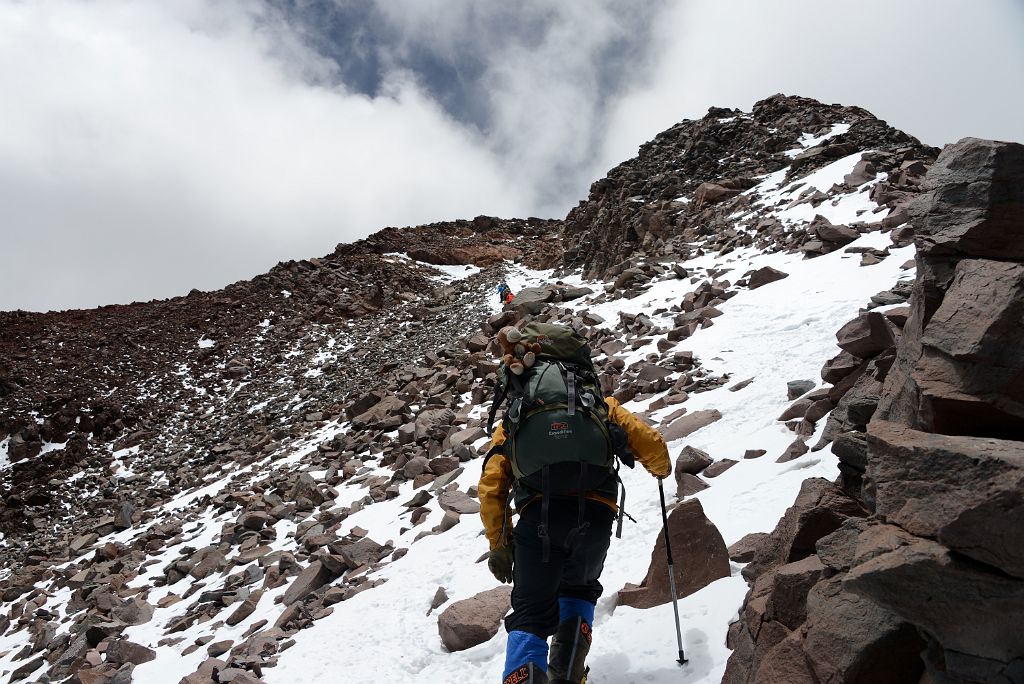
{"points": [[569, 648], [526, 674]]}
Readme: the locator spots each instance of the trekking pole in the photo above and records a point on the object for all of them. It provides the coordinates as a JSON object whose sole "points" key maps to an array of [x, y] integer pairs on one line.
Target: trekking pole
{"points": [[671, 573]]}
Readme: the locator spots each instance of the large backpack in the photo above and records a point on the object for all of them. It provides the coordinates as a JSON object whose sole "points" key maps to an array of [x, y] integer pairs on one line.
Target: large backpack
{"points": [[557, 436]]}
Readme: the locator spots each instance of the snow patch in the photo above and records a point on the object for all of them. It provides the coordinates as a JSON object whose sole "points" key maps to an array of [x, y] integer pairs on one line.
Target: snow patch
{"points": [[809, 140]]}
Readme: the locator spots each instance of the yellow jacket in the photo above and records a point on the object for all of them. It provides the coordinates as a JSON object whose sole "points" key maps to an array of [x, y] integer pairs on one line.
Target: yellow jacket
{"points": [[646, 443]]}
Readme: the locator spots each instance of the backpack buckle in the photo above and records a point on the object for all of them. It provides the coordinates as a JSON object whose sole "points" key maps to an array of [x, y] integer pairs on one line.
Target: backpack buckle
{"points": [[515, 410]]}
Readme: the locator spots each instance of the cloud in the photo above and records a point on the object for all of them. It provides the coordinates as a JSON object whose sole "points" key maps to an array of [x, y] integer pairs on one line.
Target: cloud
{"points": [[148, 148], [937, 69]]}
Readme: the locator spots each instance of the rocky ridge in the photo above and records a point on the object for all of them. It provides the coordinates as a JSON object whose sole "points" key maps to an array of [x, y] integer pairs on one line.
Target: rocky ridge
{"points": [[910, 570], [689, 185], [241, 432]]}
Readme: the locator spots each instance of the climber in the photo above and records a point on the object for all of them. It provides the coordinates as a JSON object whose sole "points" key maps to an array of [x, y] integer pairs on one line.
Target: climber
{"points": [[505, 294], [555, 553]]}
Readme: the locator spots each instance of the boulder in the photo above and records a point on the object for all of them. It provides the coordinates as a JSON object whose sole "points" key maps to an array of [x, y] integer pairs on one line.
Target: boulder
{"points": [[839, 367], [431, 419], [743, 550], [848, 638], [968, 376], [830, 232], [719, 467], [699, 554], [863, 172], [384, 409], [473, 621], [690, 423], [692, 461], [966, 492], [973, 204], [796, 410], [763, 276], [458, 501], [820, 508], [969, 609], [314, 576], [794, 451], [532, 300], [688, 485], [123, 651], [798, 388], [866, 335]]}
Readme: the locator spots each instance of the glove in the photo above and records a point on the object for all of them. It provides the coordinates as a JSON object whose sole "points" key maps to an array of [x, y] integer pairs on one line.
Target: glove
{"points": [[500, 563]]}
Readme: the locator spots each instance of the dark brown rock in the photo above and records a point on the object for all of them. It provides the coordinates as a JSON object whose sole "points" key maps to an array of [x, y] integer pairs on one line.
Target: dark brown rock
{"points": [[794, 451], [820, 508], [688, 485], [690, 423], [763, 276], [839, 367], [692, 460], [743, 550], [973, 204], [966, 492], [314, 576], [866, 335], [852, 639], [968, 609], [719, 467], [123, 651]]}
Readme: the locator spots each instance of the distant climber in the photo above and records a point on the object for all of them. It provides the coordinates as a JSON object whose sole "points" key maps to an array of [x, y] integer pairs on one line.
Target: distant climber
{"points": [[553, 455], [505, 294]]}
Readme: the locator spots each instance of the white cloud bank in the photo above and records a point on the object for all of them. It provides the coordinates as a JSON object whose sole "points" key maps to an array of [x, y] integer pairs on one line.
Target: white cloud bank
{"points": [[149, 147]]}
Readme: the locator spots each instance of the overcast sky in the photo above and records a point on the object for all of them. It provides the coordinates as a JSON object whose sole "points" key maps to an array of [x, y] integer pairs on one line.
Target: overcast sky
{"points": [[148, 147]]}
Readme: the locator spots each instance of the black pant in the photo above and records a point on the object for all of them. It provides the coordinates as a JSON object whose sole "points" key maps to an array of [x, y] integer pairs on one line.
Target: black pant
{"points": [[572, 572]]}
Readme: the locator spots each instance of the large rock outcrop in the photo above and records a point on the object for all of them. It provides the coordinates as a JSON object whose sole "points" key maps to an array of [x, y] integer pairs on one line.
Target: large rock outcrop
{"points": [[684, 185], [930, 586]]}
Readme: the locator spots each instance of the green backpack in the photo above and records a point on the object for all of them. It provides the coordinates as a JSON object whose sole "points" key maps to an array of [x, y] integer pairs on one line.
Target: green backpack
{"points": [[557, 435]]}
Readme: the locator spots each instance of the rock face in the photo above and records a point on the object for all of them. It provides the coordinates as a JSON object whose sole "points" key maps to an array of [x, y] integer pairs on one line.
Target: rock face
{"points": [[930, 587], [699, 557], [473, 621], [676, 187]]}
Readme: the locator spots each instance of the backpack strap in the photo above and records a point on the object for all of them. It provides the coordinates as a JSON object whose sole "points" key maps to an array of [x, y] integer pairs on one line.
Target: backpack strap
{"points": [[545, 501], [570, 390], [500, 394], [581, 525]]}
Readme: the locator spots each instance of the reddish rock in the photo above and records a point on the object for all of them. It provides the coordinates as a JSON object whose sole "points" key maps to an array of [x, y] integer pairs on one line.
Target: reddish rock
{"points": [[866, 335], [743, 550], [473, 621], [763, 276], [688, 485], [314, 576], [124, 651], [690, 423], [699, 554], [692, 460], [794, 451], [719, 467], [967, 492]]}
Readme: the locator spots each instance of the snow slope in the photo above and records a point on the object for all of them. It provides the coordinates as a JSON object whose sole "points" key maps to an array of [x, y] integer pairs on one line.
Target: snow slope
{"points": [[780, 332]]}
